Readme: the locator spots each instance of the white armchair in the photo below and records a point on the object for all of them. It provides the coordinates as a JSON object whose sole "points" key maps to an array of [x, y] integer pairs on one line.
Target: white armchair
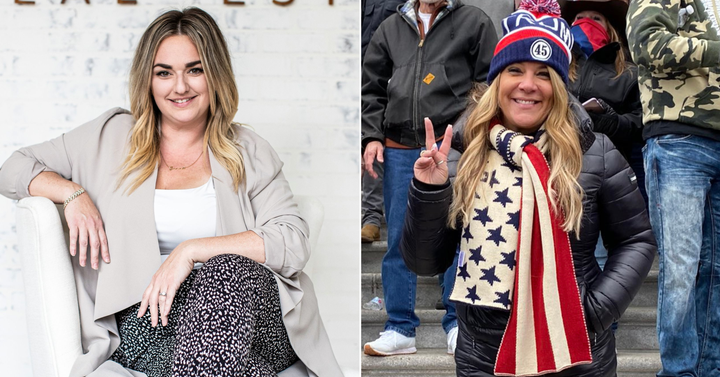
{"points": [[51, 301]]}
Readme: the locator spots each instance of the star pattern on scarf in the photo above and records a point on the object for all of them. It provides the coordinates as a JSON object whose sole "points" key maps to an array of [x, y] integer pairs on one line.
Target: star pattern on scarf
{"points": [[493, 180], [466, 234], [518, 181], [472, 294], [476, 255], [502, 197], [489, 275], [503, 298], [495, 236], [510, 166], [482, 215], [508, 259], [463, 272], [514, 219], [484, 177]]}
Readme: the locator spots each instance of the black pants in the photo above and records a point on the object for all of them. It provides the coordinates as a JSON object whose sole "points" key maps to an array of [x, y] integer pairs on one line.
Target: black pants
{"points": [[225, 321]]}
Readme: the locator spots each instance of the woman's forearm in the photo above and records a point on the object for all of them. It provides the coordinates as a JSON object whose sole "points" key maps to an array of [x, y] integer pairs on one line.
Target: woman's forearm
{"points": [[247, 244], [52, 186]]}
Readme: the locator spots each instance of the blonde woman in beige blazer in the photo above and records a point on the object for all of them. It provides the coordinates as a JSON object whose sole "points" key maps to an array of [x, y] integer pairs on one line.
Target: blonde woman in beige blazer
{"points": [[97, 170]]}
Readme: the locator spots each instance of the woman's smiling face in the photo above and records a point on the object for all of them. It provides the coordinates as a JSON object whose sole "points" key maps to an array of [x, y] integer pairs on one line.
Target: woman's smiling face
{"points": [[179, 86], [526, 95]]}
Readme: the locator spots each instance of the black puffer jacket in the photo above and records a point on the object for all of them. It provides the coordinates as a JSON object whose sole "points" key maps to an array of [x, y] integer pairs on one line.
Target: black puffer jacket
{"points": [[612, 205]]}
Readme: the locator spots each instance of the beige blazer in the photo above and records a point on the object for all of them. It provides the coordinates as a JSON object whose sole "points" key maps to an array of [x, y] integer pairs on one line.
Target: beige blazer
{"points": [[92, 155]]}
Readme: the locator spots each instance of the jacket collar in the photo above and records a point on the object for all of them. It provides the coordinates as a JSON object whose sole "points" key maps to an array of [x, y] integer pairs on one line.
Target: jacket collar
{"points": [[408, 11], [605, 54]]}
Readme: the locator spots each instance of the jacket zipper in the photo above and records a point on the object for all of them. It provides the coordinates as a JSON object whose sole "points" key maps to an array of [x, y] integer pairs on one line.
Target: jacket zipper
{"points": [[418, 70]]}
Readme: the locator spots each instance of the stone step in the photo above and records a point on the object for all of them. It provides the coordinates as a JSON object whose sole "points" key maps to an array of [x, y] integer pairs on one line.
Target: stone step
{"points": [[427, 294], [437, 363], [636, 330], [428, 290]]}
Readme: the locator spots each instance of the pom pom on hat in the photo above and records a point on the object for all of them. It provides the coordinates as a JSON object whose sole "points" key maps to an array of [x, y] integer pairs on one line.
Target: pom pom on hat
{"points": [[550, 7], [535, 32]]}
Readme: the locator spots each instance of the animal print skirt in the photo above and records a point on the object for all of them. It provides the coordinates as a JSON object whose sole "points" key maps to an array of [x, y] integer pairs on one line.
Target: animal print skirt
{"points": [[225, 320]]}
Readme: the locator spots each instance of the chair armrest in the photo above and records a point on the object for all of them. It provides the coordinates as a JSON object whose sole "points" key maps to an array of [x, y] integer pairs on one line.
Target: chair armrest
{"points": [[51, 299]]}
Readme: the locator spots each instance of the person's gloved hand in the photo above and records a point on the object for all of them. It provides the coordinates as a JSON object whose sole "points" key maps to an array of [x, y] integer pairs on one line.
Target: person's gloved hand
{"points": [[605, 122]]}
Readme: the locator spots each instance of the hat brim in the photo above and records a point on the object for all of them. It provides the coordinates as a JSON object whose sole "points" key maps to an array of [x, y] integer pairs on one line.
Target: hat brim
{"points": [[613, 10]]}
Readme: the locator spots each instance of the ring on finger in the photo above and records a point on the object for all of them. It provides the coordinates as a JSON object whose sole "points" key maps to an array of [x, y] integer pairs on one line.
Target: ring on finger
{"points": [[163, 293], [439, 162]]}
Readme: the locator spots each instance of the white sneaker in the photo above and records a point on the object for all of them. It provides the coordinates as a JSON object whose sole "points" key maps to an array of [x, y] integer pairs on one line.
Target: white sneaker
{"points": [[452, 340], [390, 343]]}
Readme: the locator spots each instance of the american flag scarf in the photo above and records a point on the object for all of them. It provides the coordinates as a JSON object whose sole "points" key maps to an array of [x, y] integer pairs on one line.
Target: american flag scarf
{"points": [[546, 332]]}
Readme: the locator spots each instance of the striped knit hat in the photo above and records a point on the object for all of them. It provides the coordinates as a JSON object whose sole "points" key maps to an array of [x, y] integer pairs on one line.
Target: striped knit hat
{"points": [[535, 32]]}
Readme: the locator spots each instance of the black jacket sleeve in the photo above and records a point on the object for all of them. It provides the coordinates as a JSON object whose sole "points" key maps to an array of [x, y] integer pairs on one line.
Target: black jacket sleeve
{"points": [[428, 245], [626, 232], [374, 13], [377, 70], [623, 125], [482, 52]]}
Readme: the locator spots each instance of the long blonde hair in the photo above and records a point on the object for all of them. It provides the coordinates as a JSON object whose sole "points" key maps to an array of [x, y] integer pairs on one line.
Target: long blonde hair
{"points": [[220, 132], [563, 148], [621, 63]]}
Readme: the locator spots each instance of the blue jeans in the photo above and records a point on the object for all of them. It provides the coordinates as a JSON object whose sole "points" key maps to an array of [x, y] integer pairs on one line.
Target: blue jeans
{"points": [[447, 281], [399, 283], [683, 187]]}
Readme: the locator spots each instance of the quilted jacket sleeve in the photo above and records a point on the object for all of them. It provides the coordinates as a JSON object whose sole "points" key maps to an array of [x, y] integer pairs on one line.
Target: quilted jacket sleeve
{"points": [[428, 245], [627, 235]]}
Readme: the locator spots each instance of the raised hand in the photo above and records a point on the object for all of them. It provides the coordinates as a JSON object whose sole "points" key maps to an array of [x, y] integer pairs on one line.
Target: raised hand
{"points": [[159, 295], [431, 166]]}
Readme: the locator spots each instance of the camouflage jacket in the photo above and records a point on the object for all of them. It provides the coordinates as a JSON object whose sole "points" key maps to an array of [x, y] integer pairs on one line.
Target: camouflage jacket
{"points": [[678, 58]]}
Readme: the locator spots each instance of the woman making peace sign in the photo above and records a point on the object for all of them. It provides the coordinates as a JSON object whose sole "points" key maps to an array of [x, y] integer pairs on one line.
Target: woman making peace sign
{"points": [[532, 192]]}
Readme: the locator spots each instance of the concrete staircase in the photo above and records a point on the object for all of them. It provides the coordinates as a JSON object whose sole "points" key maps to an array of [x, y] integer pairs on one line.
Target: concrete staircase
{"points": [[637, 344]]}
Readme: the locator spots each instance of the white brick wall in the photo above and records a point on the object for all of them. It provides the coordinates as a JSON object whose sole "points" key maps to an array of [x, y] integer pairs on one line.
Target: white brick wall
{"points": [[297, 70]]}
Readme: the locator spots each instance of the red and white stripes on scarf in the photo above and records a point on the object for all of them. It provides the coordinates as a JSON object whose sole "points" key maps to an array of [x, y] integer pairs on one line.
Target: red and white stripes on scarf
{"points": [[546, 332]]}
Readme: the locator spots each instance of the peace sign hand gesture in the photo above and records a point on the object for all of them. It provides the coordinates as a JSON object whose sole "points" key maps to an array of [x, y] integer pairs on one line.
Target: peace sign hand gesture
{"points": [[431, 166]]}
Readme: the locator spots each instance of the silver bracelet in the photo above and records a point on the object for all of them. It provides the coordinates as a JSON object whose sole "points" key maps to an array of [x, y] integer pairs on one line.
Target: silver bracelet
{"points": [[73, 196]]}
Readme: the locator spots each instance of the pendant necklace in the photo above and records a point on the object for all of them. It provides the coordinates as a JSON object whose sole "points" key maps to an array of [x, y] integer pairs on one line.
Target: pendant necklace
{"points": [[183, 167]]}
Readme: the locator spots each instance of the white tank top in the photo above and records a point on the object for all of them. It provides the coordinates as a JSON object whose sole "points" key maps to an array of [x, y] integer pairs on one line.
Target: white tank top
{"points": [[181, 215]]}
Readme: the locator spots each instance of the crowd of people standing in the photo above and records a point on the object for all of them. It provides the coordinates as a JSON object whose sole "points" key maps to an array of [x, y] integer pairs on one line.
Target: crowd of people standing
{"points": [[587, 146]]}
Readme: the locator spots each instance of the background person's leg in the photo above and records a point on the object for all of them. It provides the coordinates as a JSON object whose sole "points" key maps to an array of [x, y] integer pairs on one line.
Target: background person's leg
{"points": [[677, 187], [372, 204], [399, 283]]}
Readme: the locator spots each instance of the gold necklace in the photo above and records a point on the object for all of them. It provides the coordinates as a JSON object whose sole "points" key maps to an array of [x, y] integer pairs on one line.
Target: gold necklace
{"points": [[180, 168]]}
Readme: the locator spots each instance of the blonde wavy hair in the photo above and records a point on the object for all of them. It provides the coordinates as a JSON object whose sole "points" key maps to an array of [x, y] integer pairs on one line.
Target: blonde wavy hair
{"points": [[621, 63], [220, 133], [565, 154]]}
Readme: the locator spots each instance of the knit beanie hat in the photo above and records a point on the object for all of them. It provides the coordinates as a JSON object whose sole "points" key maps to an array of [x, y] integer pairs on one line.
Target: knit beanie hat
{"points": [[535, 33]]}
